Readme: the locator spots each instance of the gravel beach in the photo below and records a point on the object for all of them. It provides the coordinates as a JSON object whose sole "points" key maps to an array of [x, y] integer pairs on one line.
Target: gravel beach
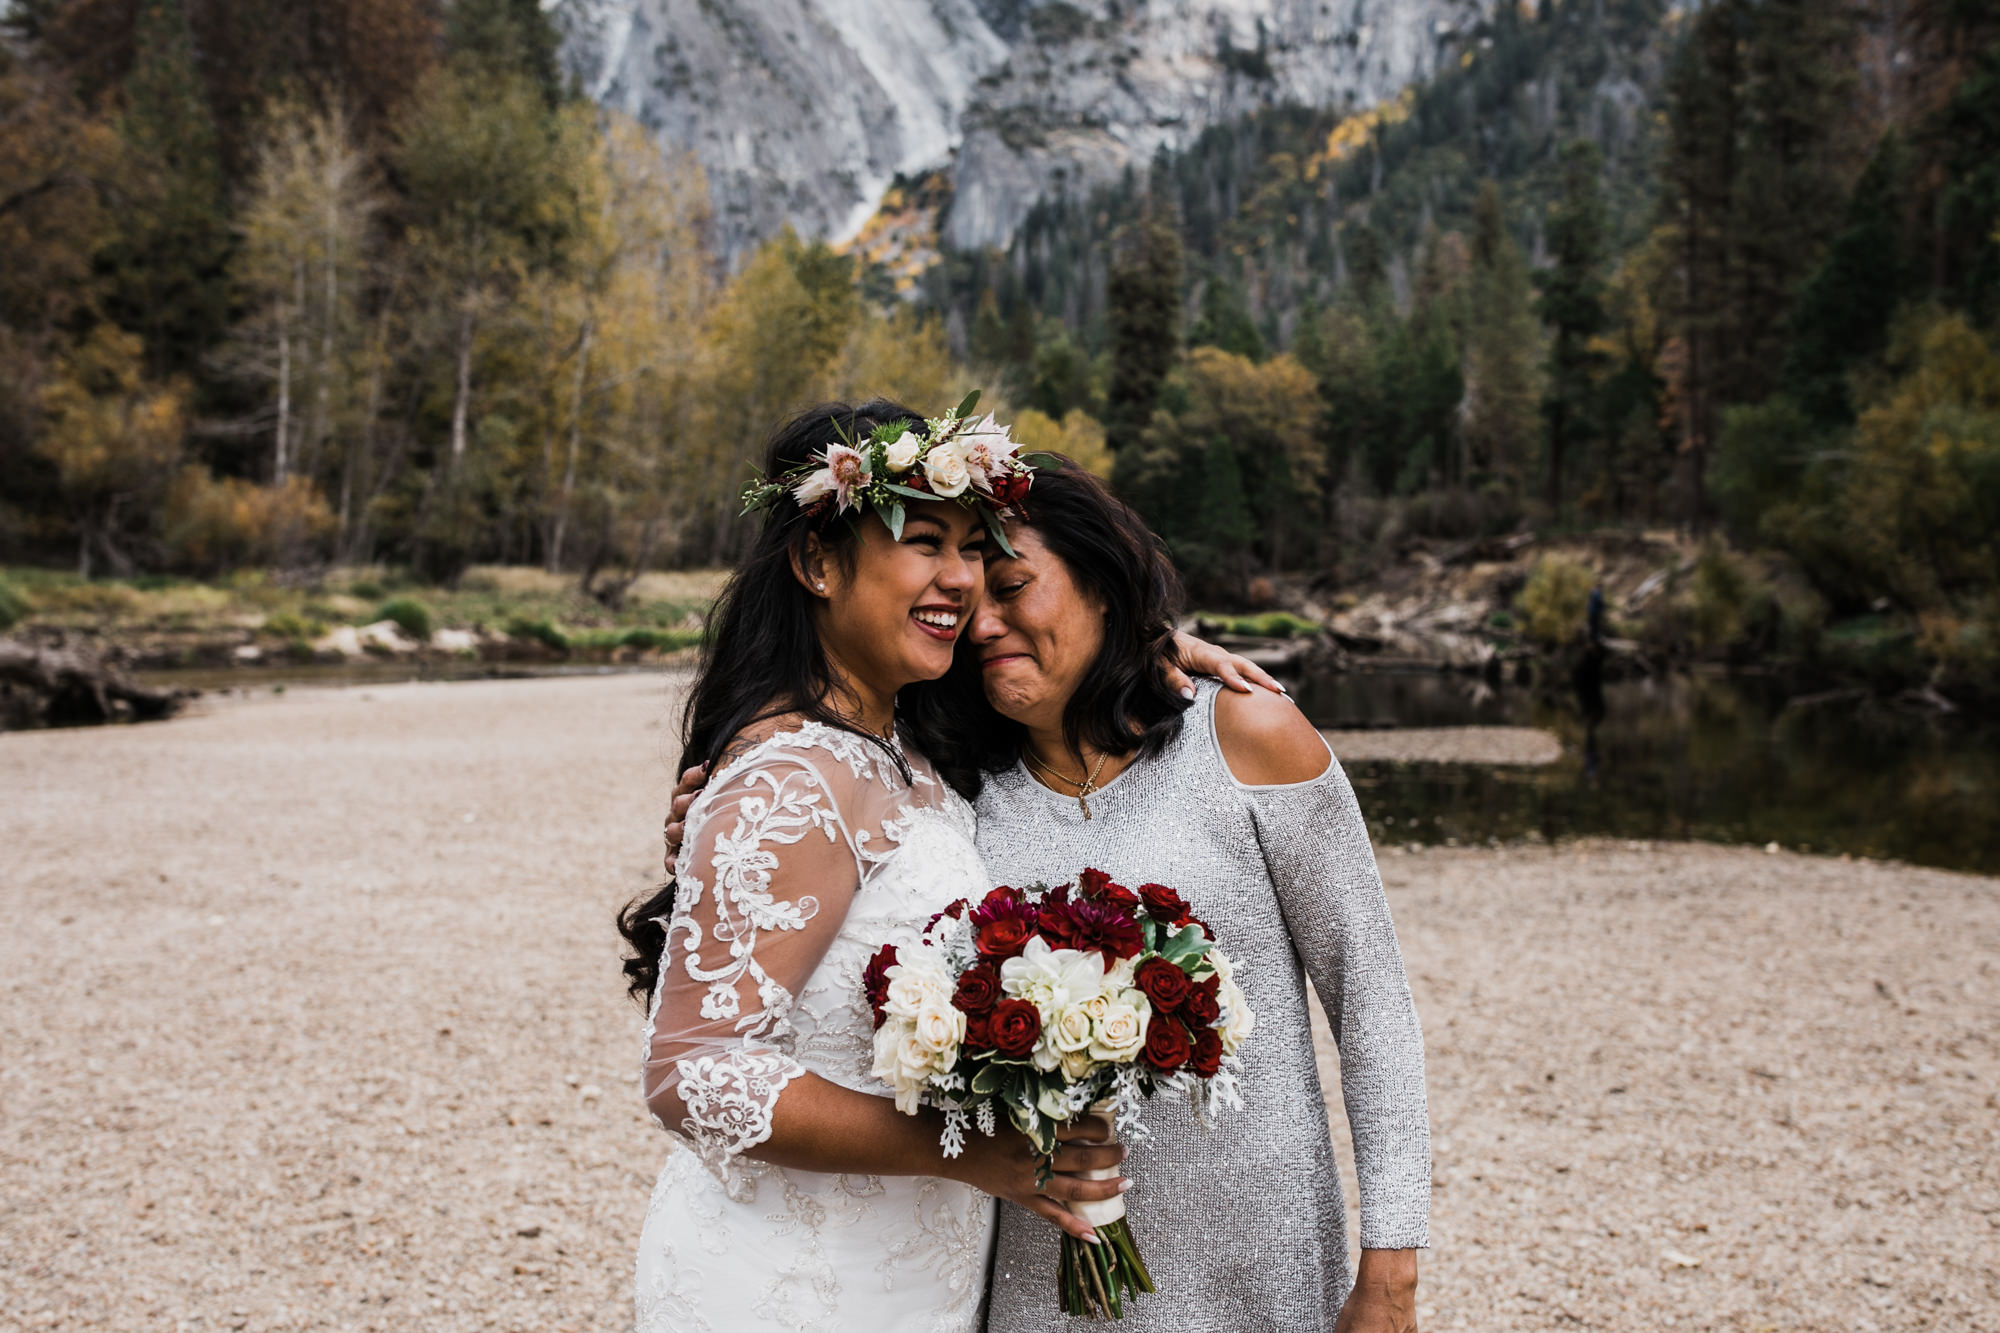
{"points": [[311, 1020]]}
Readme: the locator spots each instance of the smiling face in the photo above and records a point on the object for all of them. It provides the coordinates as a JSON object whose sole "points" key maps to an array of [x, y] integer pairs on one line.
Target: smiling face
{"points": [[891, 611], [1036, 634]]}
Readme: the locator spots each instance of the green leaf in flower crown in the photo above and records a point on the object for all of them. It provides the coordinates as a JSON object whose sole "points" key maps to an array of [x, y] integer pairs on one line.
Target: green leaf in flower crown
{"points": [[996, 529], [891, 515], [898, 488], [1041, 458], [966, 404]]}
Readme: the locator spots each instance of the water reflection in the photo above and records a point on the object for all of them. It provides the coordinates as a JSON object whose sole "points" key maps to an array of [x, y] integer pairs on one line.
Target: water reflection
{"points": [[1680, 757]]}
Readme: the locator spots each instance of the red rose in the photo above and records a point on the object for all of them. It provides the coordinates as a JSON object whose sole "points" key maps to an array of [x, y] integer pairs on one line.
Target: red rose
{"points": [[1013, 1026], [875, 980], [978, 989], [1098, 888], [1003, 924], [978, 1032], [1164, 983], [1200, 1008], [955, 911], [1167, 1045], [1207, 1057], [1012, 487], [1163, 904]]}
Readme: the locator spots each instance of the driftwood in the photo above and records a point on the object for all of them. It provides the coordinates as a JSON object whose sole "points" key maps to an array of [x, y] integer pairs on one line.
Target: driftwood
{"points": [[59, 682]]}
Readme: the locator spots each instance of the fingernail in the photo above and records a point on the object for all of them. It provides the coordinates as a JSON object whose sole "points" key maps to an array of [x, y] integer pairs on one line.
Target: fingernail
{"points": [[1187, 692], [1091, 1238], [1282, 690], [1124, 1185]]}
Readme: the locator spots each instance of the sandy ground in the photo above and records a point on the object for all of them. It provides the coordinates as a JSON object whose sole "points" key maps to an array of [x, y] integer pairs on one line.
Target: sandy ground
{"points": [[1461, 745], [310, 1020]]}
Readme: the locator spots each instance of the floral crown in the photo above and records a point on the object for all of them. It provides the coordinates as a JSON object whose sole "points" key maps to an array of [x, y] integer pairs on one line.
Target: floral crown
{"points": [[955, 457]]}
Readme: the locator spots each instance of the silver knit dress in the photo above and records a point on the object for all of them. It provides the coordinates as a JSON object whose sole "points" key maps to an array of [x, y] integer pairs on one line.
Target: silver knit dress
{"points": [[1242, 1225]]}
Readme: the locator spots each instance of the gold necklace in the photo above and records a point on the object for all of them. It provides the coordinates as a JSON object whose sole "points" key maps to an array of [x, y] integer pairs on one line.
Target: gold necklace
{"points": [[1083, 788]]}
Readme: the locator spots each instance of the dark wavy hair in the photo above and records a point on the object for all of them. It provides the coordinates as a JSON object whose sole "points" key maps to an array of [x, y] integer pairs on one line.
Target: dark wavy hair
{"points": [[762, 656], [1123, 703]]}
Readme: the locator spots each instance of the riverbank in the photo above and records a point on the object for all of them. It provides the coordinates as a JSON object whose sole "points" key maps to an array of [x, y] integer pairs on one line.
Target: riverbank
{"points": [[312, 1022]]}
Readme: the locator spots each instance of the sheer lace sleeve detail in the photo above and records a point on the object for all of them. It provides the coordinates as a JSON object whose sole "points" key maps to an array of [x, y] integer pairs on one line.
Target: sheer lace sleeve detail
{"points": [[769, 871]]}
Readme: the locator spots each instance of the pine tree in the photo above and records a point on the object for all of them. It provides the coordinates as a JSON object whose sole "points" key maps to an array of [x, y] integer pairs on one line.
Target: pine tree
{"points": [[1572, 305], [509, 36], [1502, 414], [167, 264], [1143, 308]]}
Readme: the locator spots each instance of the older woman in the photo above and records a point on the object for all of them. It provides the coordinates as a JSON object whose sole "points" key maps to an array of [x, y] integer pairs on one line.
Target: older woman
{"points": [[1234, 800]]}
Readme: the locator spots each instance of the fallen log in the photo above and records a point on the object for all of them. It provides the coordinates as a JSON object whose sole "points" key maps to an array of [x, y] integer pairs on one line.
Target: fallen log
{"points": [[63, 683]]}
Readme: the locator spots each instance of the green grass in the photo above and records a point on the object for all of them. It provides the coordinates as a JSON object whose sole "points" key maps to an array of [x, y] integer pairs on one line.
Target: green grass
{"points": [[1271, 625], [662, 611]]}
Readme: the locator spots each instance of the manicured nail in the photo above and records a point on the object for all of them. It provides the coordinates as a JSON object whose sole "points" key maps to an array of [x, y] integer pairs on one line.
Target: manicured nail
{"points": [[1091, 1238], [1187, 692], [1124, 1185]]}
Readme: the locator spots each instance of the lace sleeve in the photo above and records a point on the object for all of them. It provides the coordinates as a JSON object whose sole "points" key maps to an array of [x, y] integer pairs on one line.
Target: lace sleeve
{"points": [[768, 873]]}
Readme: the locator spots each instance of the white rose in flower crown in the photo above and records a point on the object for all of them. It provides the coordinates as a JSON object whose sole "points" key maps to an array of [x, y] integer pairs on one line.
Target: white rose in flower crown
{"points": [[900, 454], [1120, 1035], [917, 981], [946, 470], [940, 1028], [1237, 1020]]}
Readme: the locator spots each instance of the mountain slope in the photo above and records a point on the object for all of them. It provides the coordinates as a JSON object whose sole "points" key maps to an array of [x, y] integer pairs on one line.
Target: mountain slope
{"points": [[804, 111]]}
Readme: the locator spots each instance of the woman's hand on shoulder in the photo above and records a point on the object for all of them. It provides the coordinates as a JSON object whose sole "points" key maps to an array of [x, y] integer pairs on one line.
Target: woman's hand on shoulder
{"points": [[1267, 741], [690, 786], [1203, 658]]}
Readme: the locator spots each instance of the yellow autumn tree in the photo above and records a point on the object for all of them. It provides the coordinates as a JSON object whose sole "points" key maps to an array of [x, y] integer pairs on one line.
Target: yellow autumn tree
{"points": [[114, 439]]}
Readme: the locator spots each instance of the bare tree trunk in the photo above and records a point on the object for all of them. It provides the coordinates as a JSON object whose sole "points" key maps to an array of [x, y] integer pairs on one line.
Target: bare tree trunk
{"points": [[322, 427], [280, 463], [461, 400], [575, 444]]}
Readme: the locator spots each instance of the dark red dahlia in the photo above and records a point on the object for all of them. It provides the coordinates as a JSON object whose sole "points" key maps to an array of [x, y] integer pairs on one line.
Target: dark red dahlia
{"points": [[1103, 928], [875, 980]]}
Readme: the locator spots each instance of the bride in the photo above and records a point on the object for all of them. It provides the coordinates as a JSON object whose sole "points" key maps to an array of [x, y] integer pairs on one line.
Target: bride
{"points": [[804, 1199]]}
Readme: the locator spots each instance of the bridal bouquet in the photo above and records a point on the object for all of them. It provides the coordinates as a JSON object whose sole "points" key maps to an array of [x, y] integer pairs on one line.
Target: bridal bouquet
{"points": [[1045, 1005]]}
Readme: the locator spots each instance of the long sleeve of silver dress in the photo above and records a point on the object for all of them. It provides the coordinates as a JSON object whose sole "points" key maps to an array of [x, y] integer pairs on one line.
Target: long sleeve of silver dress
{"points": [[1243, 1225]]}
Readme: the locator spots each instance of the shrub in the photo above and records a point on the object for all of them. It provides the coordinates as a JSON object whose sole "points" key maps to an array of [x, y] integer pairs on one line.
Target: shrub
{"points": [[14, 606], [1553, 602], [1726, 595], [286, 625], [541, 631], [411, 615], [367, 589], [223, 523]]}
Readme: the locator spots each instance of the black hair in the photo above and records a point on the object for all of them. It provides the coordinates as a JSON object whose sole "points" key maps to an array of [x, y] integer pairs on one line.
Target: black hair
{"points": [[762, 656], [1123, 703]]}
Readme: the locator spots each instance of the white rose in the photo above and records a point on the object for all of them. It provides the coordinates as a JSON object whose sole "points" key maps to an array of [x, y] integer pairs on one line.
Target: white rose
{"points": [[1237, 1020], [1098, 1003], [1219, 960], [887, 1038], [1120, 1035], [914, 1061], [916, 982], [1077, 1064], [1052, 1103], [901, 453], [946, 469], [940, 1028], [1072, 1029]]}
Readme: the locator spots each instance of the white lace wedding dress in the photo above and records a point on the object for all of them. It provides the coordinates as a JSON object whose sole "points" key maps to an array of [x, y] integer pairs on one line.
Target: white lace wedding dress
{"points": [[803, 857]]}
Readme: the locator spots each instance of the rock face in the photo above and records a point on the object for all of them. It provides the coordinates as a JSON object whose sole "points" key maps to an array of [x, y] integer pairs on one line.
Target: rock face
{"points": [[803, 111]]}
